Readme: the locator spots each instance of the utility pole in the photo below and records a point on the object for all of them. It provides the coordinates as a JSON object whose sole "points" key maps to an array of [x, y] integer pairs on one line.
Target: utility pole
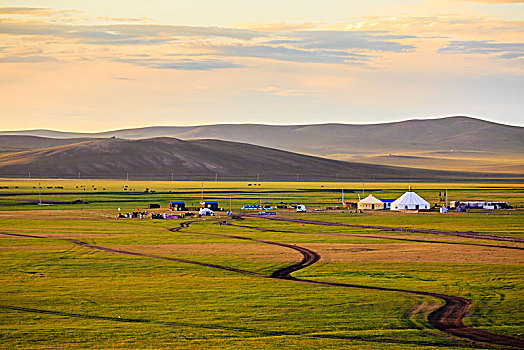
{"points": [[127, 176], [363, 192], [337, 177], [172, 177], [216, 177], [78, 175], [39, 194], [342, 198], [29, 174], [258, 177]]}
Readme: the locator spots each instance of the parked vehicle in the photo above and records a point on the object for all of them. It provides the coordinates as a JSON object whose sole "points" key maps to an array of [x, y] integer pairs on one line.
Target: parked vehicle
{"points": [[252, 207]]}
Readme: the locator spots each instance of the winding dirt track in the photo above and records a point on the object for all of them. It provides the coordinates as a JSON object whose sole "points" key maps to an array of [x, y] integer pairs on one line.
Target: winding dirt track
{"points": [[470, 234], [378, 237], [448, 318]]}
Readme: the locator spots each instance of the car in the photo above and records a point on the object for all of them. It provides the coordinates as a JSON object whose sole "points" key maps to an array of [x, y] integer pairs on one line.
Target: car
{"points": [[252, 207]]}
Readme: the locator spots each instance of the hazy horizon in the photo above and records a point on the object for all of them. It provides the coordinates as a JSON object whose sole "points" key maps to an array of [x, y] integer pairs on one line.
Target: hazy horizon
{"points": [[212, 124]]}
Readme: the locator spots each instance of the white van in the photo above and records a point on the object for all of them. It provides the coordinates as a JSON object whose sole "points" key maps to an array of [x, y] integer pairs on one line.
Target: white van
{"points": [[301, 208]]}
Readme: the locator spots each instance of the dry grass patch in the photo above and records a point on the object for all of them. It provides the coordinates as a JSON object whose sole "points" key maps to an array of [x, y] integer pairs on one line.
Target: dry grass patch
{"points": [[244, 251], [416, 252]]}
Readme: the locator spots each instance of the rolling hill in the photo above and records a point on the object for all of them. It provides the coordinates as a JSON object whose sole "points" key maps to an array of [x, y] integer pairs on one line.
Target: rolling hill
{"points": [[196, 159], [17, 143], [451, 133]]}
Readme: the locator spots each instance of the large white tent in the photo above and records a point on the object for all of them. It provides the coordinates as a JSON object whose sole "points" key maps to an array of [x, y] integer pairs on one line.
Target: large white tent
{"points": [[410, 201]]}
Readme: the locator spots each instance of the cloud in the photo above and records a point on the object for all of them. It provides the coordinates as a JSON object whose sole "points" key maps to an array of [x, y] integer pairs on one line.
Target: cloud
{"points": [[486, 47], [21, 10], [24, 10], [510, 55], [33, 11], [282, 53], [278, 26], [275, 41], [281, 92], [109, 34], [27, 59], [348, 40], [124, 19], [181, 64], [129, 41]]}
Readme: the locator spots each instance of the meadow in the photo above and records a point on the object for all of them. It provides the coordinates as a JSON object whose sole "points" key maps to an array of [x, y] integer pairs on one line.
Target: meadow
{"points": [[58, 291]]}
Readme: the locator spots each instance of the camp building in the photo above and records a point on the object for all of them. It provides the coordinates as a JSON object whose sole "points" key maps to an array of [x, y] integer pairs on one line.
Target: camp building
{"points": [[177, 205], [387, 203], [370, 203], [213, 205], [410, 201]]}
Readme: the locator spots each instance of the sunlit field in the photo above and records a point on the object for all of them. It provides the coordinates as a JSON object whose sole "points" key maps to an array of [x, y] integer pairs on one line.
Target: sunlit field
{"points": [[76, 276]]}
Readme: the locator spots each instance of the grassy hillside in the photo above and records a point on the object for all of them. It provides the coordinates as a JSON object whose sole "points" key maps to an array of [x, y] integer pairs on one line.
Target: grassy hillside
{"points": [[457, 133], [159, 157], [480, 161], [452, 144], [16, 143]]}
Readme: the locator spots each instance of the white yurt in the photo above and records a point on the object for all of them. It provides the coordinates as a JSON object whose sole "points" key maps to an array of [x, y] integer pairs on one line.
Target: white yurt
{"points": [[410, 201], [370, 203]]}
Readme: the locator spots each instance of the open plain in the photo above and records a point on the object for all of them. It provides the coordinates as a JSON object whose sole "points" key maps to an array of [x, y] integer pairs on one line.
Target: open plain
{"points": [[75, 275]]}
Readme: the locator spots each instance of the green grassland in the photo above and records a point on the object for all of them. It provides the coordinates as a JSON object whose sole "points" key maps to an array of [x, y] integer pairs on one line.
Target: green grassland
{"points": [[103, 194], [58, 294]]}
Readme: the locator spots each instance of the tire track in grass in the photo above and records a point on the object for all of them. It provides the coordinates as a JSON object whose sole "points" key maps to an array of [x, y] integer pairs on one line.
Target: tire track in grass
{"points": [[119, 251], [470, 234], [266, 333], [255, 332], [357, 235], [448, 318]]}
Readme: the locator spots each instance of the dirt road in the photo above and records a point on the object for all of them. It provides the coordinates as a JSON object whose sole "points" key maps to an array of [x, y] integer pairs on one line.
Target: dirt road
{"points": [[448, 318], [474, 235], [419, 240]]}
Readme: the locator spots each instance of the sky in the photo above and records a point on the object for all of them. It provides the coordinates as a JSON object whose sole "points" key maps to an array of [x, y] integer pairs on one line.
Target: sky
{"points": [[97, 65]]}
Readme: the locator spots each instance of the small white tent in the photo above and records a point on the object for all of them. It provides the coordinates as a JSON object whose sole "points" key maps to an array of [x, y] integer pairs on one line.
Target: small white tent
{"points": [[370, 202], [410, 201], [205, 212]]}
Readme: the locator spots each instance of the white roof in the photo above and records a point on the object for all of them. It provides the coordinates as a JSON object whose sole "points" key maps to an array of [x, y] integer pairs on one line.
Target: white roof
{"points": [[370, 200], [410, 198]]}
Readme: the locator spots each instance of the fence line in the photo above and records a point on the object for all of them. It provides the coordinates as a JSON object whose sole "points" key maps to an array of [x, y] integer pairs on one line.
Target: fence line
{"points": [[261, 177]]}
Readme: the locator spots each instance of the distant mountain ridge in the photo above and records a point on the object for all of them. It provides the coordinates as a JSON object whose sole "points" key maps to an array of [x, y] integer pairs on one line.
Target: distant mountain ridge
{"points": [[197, 159], [450, 133]]}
